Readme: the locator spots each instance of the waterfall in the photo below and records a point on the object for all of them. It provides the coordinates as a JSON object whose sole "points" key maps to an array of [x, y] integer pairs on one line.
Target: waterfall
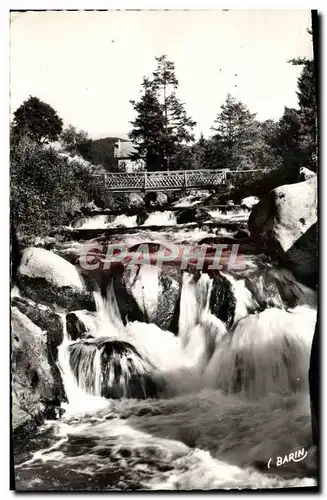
{"points": [[95, 222], [267, 352], [262, 351], [199, 330], [79, 400]]}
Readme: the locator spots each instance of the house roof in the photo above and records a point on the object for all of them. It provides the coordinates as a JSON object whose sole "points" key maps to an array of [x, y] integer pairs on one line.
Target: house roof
{"points": [[124, 149]]}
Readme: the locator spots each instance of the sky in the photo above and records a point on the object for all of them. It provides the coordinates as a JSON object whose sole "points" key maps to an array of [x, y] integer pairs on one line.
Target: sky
{"points": [[88, 65]]}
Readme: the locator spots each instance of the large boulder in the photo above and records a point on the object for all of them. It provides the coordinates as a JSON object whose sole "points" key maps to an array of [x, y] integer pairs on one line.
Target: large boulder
{"points": [[135, 200], [305, 174], [48, 320], [117, 357], [148, 294], [47, 278], [36, 384], [81, 324], [249, 202], [155, 199], [285, 220]]}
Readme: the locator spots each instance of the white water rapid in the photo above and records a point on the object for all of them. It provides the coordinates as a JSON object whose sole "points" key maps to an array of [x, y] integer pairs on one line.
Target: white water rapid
{"points": [[203, 402]]}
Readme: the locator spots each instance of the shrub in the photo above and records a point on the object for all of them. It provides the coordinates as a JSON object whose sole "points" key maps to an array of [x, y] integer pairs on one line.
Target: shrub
{"points": [[46, 188]]}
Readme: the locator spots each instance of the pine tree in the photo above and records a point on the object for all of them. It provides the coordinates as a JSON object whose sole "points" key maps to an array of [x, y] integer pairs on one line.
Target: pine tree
{"points": [[162, 128], [306, 94], [148, 126]]}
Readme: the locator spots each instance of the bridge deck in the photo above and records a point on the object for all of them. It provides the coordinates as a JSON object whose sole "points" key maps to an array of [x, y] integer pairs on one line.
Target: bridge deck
{"points": [[173, 180]]}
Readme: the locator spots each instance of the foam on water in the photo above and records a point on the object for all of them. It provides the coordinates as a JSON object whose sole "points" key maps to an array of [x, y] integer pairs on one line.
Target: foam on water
{"points": [[203, 441], [96, 222], [228, 398], [241, 215], [267, 352], [166, 218], [192, 199], [124, 221]]}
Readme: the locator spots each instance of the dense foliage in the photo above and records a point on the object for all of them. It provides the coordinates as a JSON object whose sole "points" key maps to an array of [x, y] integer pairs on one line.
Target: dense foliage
{"points": [[37, 120], [47, 188], [162, 132]]}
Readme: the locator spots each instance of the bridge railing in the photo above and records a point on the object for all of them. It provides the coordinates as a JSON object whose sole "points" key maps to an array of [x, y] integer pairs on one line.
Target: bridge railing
{"points": [[174, 179], [164, 181]]}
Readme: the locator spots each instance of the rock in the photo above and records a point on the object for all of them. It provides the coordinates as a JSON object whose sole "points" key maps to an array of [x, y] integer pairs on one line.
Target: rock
{"points": [[155, 199], [192, 214], [123, 371], [46, 319], [47, 278], [170, 284], [249, 202], [148, 294], [222, 299], [242, 233], [127, 304], [35, 385], [162, 199], [141, 217], [75, 326], [305, 174], [285, 221], [135, 200]]}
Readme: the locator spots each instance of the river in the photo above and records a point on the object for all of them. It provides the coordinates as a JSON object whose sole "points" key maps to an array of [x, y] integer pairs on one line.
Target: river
{"points": [[198, 400]]}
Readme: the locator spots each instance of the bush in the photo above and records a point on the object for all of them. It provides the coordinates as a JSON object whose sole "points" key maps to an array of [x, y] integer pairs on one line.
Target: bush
{"points": [[46, 189]]}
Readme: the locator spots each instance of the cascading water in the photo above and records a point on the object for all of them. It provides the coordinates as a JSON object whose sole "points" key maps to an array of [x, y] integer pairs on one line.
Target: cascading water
{"points": [[201, 406], [166, 218], [264, 351]]}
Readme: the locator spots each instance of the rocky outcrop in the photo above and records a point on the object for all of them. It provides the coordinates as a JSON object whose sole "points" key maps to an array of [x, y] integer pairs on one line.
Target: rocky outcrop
{"points": [[46, 319], [222, 299], [47, 278], [155, 199], [305, 174], [135, 200], [285, 220], [141, 217], [81, 324], [170, 283], [148, 294], [36, 384], [249, 202]]}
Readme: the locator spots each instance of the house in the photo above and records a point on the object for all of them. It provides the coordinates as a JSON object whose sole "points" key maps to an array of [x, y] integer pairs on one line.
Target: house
{"points": [[123, 151]]}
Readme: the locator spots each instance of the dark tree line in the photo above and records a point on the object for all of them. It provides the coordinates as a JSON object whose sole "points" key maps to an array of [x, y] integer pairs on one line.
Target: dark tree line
{"points": [[163, 132]]}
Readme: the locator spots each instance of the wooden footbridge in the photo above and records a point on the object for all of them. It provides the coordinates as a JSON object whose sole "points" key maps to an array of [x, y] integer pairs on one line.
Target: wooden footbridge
{"points": [[173, 180]]}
